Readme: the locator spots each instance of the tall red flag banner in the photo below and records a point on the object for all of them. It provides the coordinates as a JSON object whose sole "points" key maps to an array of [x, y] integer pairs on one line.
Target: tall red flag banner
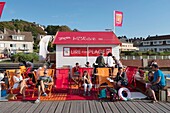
{"points": [[118, 18], [1, 7]]}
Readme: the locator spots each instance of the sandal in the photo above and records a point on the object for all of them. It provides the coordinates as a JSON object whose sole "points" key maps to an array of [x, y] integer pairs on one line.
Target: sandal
{"points": [[154, 101]]}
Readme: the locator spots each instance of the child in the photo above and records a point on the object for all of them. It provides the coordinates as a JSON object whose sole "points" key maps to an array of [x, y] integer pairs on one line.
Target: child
{"points": [[150, 76], [87, 83]]}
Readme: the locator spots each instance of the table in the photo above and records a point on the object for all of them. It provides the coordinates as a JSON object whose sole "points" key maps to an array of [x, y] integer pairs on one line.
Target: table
{"points": [[2, 98]]}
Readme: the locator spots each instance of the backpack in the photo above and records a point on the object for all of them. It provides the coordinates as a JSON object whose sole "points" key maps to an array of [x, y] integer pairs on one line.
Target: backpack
{"points": [[103, 93], [113, 94]]}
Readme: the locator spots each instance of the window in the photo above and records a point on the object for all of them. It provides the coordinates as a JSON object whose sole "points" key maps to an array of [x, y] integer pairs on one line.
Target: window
{"points": [[14, 37], [2, 45], [157, 42], [1, 36], [25, 46], [160, 42], [20, 38], [13, 45], [168, 42], [17, 37], [160, 49], [146, 43]]}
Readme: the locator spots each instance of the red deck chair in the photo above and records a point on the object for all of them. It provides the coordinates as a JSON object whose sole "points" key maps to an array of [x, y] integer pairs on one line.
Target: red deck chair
{"points": [[130, 73], [90, 72]]}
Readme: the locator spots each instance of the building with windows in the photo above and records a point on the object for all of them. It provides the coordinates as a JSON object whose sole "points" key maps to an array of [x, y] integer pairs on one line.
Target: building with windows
{"points": [[127, 46], [156, 43], [15, 41]]}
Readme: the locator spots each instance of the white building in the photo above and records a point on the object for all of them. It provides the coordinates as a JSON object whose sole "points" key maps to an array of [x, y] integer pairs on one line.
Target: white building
{"points": [[72, 47], [14, 42], [156, 43], [127, 46]]}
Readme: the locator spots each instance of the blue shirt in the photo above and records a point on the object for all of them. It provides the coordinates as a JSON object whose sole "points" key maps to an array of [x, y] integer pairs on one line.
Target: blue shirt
{"points": [[159, 74]]}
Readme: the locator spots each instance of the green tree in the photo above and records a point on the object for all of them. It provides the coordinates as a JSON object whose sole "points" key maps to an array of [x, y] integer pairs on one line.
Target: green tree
{"points": [[51, 30]]}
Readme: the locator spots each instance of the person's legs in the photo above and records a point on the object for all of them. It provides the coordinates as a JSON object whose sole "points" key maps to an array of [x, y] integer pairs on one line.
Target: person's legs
{"points": [[89, 88], [38, 99], [23, 92], [85, 88], [154, 96], [22, 85], [39, 90], [43, 88], [152, 91]]}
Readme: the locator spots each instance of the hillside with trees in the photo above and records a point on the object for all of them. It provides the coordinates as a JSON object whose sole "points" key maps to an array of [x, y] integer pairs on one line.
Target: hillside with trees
{"points": [[36, 29], [16, 24]]}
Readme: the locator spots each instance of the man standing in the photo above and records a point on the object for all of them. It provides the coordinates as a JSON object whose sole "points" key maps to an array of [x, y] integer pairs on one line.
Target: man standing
{"points": [[100, 60], [158, 82]]}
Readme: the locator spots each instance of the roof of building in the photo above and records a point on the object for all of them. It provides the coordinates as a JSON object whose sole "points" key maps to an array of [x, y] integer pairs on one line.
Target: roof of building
{"points": [[124, 40], [162, 37], [90, 38], [8, 35]]}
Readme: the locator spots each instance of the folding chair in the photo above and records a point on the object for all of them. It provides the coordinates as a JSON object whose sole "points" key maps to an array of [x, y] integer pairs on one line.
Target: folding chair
{"points": [[102, 75], [115, 71], [130, 73], [74, 79], [10, 74], [51, 73], [90, 72]]}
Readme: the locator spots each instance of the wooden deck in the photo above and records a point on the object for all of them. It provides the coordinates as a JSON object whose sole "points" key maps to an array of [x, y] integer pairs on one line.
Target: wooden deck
{"points": [[137, 106]]}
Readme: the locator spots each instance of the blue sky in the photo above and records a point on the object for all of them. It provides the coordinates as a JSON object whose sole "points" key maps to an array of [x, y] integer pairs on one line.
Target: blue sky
{"points": [[141, 17]]}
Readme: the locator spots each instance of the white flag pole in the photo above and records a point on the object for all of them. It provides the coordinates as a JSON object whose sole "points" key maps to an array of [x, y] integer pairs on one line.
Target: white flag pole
{"points": [[114, 19], [87, 54]]}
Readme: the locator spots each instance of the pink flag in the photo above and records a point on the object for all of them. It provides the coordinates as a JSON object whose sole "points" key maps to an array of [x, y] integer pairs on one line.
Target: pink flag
{"points": [[118, 18], [1, 7]]}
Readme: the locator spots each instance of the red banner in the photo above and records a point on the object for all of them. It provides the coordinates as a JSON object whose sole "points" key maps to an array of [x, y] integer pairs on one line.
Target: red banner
{"points": [[1, 7], [82, 51], [118, 18]]}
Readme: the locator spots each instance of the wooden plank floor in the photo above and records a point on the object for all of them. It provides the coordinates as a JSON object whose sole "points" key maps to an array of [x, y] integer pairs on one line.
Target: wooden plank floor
{"points": [[137, 106]]}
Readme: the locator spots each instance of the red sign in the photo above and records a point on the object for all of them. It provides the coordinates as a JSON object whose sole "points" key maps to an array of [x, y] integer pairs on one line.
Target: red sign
{"points": [[118, 18], [1, 7], [82, 51], [86, 38]]}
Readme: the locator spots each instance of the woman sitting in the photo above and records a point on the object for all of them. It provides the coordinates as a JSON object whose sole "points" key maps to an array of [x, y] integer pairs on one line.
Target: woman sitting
{"points": [[87, 83], [19, 82], [76, 69], [121, 79]]}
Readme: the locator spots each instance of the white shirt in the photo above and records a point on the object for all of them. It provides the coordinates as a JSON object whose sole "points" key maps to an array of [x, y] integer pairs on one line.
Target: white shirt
{"points": [[17, 81], [110, 62]]}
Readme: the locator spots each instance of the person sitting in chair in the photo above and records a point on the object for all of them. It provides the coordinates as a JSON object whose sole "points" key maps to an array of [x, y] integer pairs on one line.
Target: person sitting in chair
{"points": [[43, 82], [158, 82], [121, 78], [86, 83], [19, 82], [76, 69]]}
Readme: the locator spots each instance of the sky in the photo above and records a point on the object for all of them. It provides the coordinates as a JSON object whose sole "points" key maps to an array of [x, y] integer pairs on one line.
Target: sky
{"points": [[141, 17]]}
